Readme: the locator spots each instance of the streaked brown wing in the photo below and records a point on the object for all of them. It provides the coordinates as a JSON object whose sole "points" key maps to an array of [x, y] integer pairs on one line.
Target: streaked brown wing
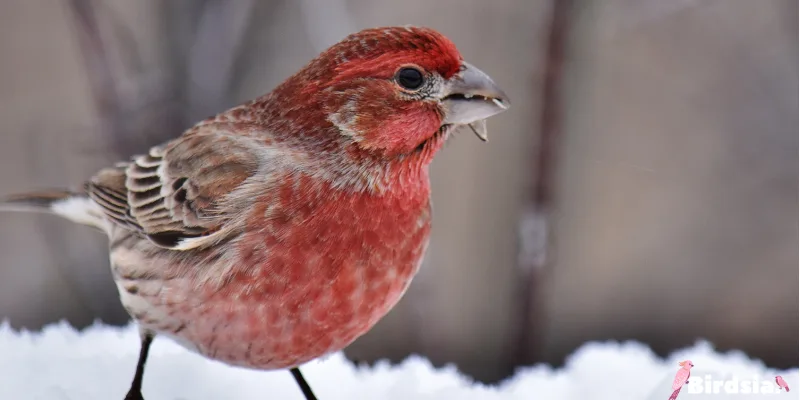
{"points": [[175, 191]]}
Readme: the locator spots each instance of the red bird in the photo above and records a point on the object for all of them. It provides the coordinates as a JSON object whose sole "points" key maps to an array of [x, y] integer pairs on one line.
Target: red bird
{"points": [[283, 229]]}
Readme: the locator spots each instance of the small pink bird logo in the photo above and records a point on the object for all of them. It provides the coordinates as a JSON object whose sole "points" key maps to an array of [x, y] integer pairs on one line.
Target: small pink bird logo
{"points": [[781, 383], [681, 378]]}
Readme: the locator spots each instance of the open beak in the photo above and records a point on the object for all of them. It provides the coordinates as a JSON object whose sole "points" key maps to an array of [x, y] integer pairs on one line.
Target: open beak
{"points": [[472, 96]]}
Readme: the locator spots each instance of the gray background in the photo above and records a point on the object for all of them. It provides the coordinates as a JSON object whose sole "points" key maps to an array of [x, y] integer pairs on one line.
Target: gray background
{"points": [[667, 198]]}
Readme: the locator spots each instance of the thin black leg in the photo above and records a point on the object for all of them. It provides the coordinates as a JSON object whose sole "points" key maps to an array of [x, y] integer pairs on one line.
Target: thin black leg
{"points": [[135, 392], [303, 384]]}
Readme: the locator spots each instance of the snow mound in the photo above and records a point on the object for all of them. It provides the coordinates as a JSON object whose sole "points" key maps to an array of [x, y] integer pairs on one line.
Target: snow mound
{"points": [[97, 363]]}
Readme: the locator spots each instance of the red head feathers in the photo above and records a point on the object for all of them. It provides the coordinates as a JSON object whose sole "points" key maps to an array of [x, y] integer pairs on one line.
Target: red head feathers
{"points": [[382, 93]]}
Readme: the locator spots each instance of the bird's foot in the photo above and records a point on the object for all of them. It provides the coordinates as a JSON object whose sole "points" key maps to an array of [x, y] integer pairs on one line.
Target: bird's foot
{"points": [[134, 395]]}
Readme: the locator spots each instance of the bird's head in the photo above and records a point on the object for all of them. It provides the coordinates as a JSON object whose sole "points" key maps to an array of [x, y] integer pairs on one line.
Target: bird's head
{"points": [[686, 364], [395, 91]]}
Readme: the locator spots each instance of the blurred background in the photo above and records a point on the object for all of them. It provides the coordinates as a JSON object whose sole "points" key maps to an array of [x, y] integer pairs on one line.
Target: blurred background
{"points": [[643, 186]]}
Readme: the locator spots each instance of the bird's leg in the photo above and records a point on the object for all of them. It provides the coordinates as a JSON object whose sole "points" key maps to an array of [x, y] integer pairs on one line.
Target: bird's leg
{"points": [[135, 392], [303, 384]]}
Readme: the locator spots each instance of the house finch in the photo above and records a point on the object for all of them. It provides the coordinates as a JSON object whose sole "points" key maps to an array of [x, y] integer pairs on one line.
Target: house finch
{"points": [[283, 229], [681, 378]]}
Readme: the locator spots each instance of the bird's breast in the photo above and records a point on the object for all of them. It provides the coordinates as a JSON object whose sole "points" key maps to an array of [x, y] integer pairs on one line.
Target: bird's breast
{"points": [[313, 275]]}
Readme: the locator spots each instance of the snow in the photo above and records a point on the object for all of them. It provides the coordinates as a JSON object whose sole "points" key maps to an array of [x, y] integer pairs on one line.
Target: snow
{"points": [[61, 363]]}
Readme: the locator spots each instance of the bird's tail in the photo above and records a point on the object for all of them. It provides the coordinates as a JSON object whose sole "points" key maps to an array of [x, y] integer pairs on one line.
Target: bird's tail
{"points": [[74, 206]]}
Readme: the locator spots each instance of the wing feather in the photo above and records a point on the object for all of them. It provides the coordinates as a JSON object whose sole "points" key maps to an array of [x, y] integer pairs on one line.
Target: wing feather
{"points": [[175, 195]]}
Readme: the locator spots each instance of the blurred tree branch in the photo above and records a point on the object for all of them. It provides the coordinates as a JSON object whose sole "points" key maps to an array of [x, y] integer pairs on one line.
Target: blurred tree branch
{"points": [[202, 42], [213, 53], [102, 81], [535, 223]]}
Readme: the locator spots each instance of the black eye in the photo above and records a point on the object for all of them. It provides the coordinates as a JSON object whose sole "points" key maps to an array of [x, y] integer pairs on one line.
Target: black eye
{"points": [[410, 78]]}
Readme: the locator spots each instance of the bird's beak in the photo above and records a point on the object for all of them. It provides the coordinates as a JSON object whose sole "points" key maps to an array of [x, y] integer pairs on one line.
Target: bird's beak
{"points": [[470, 97]]}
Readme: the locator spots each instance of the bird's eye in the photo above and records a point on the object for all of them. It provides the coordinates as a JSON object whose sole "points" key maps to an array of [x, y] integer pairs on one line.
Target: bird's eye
{"points": [[410, 78]]}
